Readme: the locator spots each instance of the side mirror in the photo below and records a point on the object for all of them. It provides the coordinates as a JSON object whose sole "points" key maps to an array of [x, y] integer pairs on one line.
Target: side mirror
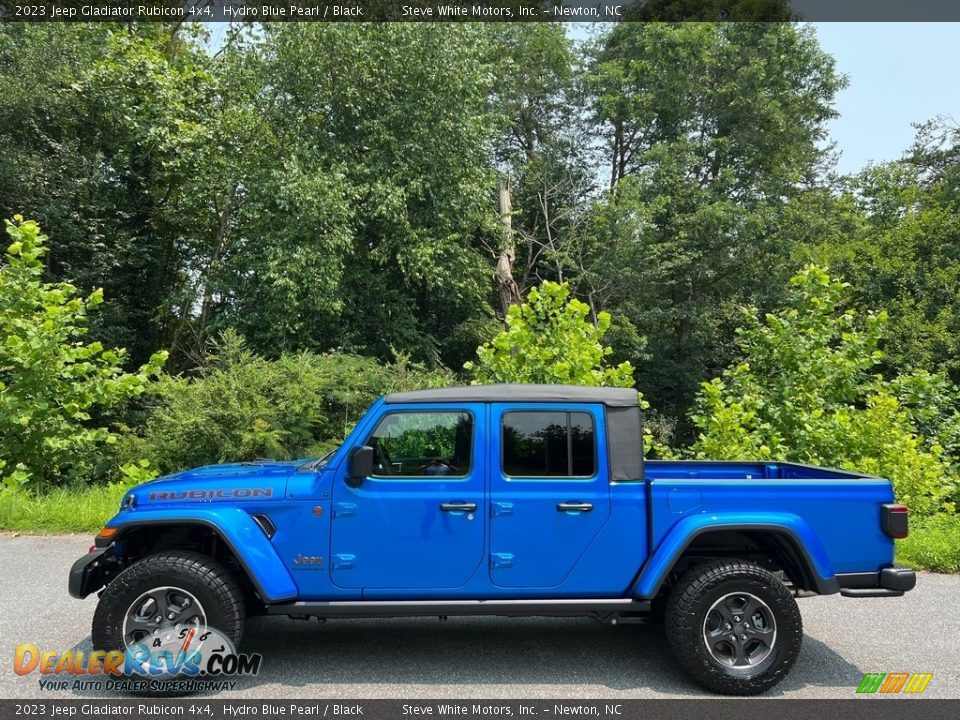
{"points": [[361, 465]]}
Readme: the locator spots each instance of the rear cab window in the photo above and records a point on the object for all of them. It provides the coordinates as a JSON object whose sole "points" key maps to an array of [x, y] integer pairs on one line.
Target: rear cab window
{"points": [[548, 443]]}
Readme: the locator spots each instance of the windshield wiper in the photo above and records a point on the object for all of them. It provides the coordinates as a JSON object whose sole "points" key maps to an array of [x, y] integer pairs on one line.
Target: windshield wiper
{"points": [[319, 462]]}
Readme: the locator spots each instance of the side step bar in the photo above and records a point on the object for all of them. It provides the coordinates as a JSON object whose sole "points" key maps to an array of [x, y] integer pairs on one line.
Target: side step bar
{"points": [[429, 608]]}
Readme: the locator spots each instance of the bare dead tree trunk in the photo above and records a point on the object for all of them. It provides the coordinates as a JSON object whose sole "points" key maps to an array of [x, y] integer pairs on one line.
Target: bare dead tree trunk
{"points": [[620, 150], [509, 292], [593, 308]]}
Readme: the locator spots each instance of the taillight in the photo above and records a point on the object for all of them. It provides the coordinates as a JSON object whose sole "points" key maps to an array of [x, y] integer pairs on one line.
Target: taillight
{"points": [[894, 520]]}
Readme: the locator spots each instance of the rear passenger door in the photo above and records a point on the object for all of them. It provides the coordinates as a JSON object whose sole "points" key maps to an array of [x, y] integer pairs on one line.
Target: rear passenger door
{"points": [[549, 490]]}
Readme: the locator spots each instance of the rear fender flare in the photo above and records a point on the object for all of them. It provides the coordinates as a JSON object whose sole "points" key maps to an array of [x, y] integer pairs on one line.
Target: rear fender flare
{"points": [[238, 530], [817, 567]]}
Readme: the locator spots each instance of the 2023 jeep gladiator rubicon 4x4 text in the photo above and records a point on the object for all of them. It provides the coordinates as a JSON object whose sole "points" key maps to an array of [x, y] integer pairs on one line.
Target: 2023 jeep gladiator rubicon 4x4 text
{"points": [[502, 500]]}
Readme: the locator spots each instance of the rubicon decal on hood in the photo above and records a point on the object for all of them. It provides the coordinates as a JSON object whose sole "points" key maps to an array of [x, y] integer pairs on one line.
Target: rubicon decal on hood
{"points": [[211, 494]]}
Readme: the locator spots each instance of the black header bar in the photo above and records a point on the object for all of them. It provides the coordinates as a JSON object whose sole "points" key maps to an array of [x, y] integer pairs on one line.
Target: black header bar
{"points": [[584, 11], [207, 708]]}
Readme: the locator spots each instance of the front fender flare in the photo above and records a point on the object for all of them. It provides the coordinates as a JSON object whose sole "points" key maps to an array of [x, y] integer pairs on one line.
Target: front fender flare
{"points": [[240, 533], [793, 527]]}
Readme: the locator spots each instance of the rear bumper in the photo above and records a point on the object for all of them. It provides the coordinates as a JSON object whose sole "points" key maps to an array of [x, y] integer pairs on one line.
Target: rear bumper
{"points": [[88, 573], [889, 582]]}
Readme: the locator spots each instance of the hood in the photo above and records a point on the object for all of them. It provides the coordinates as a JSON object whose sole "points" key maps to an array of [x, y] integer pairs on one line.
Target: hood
{"points": [[233, 482]]}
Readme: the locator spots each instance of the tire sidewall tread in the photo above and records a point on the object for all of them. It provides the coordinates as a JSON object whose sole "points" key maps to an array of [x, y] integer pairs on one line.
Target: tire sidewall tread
{"points": [[686, 610], [212, 584]]}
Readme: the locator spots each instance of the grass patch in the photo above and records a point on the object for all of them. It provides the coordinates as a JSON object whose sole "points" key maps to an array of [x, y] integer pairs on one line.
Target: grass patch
{"points": [[933, 544], [65, 510]]}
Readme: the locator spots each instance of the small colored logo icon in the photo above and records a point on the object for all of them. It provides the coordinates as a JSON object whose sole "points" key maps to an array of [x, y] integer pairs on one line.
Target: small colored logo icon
{"points": [[891, 683]]}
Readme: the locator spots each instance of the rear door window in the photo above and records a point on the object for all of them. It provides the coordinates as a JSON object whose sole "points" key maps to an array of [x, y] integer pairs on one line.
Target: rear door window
{"points": [[548, 443]]}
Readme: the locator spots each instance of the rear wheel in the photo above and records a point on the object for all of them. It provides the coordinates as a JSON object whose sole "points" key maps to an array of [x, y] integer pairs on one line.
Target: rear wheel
{"points": [[734, 627]]}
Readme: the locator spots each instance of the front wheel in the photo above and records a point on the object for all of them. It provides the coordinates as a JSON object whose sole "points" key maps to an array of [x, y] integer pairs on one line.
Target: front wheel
{"points": [[168, 599], [734, 627]]}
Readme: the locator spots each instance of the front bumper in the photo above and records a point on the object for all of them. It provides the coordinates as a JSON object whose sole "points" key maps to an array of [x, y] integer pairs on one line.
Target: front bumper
{"points": [[889, 582], [89, 573]]}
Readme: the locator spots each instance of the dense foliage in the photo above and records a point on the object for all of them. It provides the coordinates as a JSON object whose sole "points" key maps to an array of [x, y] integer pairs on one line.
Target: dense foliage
{"points": [[803, 389], [306, 216], [712, 131], [53, 383], [242, 406]]}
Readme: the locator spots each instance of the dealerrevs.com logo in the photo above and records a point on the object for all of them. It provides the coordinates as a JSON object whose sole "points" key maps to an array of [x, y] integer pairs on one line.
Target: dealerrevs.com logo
{"points": [[893, 683], [174, 659]]}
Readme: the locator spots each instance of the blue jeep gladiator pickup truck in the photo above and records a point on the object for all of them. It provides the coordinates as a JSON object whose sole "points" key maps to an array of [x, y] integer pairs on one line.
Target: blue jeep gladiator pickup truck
{"points": [[502, 500]]}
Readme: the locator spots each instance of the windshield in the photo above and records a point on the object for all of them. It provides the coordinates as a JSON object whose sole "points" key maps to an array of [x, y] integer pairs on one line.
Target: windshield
{"points": [[320, 462]]}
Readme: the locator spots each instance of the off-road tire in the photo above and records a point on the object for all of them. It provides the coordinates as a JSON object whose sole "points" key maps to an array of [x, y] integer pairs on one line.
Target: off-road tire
{"points": [[686, 615], [211, 583]]}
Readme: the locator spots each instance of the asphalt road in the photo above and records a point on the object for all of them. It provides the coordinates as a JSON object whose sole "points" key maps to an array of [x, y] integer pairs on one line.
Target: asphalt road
{"points": [[467, 658]]}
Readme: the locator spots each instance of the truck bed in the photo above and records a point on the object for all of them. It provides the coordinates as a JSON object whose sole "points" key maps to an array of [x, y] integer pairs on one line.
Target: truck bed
{"points": [[835, 514]]}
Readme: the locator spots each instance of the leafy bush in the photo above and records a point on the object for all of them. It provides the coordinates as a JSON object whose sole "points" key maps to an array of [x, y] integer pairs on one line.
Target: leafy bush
{"points": [[132, 474], [51, 382], [934, 405], [550, 340], [243, 406], [804, 391]]}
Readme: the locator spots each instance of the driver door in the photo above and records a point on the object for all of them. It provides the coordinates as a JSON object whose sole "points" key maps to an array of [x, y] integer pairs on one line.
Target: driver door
{"points": [[419, 520]]}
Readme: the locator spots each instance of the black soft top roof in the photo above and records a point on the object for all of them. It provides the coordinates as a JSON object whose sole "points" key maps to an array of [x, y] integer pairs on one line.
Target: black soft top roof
{"points": [[506, 392]]}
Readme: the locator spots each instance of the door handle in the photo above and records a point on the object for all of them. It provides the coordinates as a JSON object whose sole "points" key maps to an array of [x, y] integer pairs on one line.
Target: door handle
{"points": [[579, 506], [458, 507]]}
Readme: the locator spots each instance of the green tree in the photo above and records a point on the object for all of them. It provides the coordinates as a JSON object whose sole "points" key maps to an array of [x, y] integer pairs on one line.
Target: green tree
{"points": [[803, 389], [391, 160], [903, 253], [542, 153], [550, 340], [260, 187], [103, 129], [52, 383], [717, 127]]}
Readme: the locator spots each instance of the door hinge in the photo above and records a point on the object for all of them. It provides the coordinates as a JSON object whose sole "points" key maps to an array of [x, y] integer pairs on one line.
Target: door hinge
{"points": [[344, 562], [344, 509]]}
